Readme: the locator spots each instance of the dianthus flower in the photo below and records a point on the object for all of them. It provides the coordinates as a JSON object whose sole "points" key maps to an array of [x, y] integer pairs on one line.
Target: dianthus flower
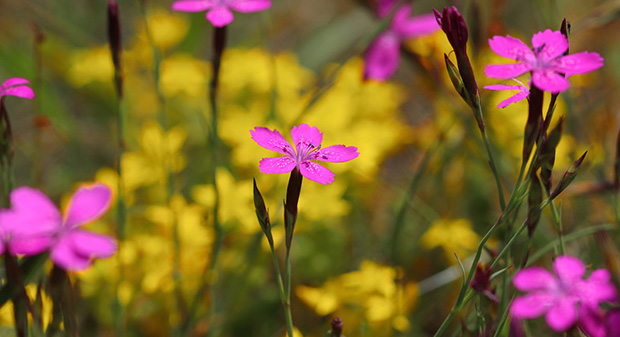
{"points": [[16, 87], [219, 11], [307, 141], [546, 60], [565, 298], [34, 225], [383, 54]]}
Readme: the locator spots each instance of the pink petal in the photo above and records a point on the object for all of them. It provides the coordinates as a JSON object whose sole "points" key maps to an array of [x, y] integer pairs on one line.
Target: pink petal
{"points": [[92, 244], [272, 140], [19, 91], [549, 44], [598, 287], [87, 204], [12, 82], [534, 278], [550, 81], [336, 153], [506, 71], [247, 6], [384, 7], [503, 87], [65, 256], [277, 165], [316, 172], [407, 27], [562, 315], [220, 16], [513, 99], [592, 320], [382, 57], [30, 245], [512, 48], [570, 270], [306, 138], [32, 213], [531, 305], [26, 199], [579, 63], [192, 5]]}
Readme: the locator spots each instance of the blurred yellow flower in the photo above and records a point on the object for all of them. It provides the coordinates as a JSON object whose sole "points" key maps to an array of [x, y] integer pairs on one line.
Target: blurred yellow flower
{"points": [[236, 201], [184, 75], [373, 289], [453, 236], [91, 65]]}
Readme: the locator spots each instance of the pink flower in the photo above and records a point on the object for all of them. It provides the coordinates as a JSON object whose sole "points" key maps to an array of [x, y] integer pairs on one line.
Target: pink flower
{"points": [[34, 225], [565, 298], [383, 54], [546, 61], [15, 87], [307, 142], [219, 11], [522, 92]]}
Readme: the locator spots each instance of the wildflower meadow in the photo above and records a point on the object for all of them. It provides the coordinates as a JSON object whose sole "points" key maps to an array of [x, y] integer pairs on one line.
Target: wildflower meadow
{"points": [[334, 168]]}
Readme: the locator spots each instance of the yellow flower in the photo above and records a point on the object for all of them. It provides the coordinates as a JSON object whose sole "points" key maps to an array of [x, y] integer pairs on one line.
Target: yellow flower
{"points": [[453, 236], [236, 201], [91, 65], [373, 290], [184, 75]]}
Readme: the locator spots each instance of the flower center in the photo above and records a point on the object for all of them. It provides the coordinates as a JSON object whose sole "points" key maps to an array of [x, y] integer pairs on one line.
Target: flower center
{"points": [[304, 149]]}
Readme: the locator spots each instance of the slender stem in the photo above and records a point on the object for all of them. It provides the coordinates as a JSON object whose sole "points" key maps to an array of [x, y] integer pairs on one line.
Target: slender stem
{"points": [[287, 290], [558, 223], [487, 145], [284, 290]]}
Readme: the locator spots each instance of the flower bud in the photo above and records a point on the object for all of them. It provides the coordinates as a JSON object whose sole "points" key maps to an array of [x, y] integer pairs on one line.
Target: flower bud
{"points": [[568, 177], [114, 37], [337, 325]]}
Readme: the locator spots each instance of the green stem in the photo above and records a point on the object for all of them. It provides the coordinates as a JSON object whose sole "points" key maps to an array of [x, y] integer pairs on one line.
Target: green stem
{"points": [[284, 290], [287, 289], [487, 145], [557, 219]]}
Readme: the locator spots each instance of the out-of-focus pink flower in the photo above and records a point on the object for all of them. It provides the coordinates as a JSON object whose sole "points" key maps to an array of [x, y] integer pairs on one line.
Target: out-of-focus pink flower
{"points": [[219, 12], [565, 298], [522, 92], [546, 60], [307, 142], [34, 225], [383, 55], [16, 86]]}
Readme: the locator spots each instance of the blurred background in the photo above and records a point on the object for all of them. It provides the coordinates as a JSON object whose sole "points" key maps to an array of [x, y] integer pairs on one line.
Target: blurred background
{"points": [[366, 245]]}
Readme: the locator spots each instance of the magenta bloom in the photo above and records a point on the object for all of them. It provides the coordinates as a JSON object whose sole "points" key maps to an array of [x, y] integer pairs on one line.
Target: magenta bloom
{"points": [[565, 298], [383, 54], [34, 225], [307, 142], [546, 60], [521, 93], [15, 87], [219, 11]]}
